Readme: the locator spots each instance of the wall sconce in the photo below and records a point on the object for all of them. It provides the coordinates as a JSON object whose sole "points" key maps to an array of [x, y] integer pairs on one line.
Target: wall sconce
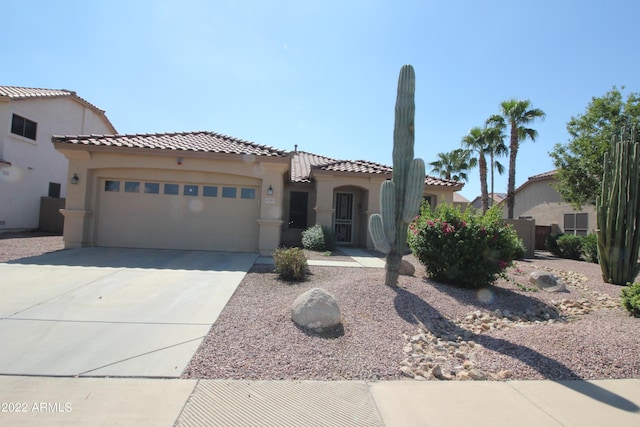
{"points": [[75, 179], [179, 160], [270, 191]]}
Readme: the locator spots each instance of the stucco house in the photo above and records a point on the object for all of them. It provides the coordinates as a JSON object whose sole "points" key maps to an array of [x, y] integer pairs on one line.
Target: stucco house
{"points": [[537, 199], [30, 167], [496, 197], [207, 191]]}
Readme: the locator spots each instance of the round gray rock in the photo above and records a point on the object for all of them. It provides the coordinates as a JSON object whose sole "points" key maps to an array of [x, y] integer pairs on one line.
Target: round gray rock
{"points": [[406, 268], [316, 309], [547, 282]]}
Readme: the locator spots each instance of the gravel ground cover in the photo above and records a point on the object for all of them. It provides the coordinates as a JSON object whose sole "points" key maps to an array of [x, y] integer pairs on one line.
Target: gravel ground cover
{"points": [[423, 330], [16, 245]]}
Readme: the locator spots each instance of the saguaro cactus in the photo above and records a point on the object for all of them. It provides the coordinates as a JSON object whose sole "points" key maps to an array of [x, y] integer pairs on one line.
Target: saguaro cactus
{"points": [[400, 198], [618, 211]]}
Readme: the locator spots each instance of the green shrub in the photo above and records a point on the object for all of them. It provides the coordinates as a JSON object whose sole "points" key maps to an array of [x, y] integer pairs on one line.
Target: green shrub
{"points": [[631, 299], [291, 264], [551, 243], [463, 249], [590, 248], [318, 238], [570, 246]]}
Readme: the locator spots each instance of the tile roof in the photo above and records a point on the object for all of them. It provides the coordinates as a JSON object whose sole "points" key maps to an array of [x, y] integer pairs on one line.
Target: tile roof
{"points": [[31, 92], [544, 175], [16, 92], [206, 142], [304, 163]]}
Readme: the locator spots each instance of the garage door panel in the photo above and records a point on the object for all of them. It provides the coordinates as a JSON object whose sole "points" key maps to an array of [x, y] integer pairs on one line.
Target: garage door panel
{"points": [[178, 221]]}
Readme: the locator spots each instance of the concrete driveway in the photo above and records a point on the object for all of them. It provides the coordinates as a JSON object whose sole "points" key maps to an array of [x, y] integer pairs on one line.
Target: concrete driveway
{"points": [[110, 311]]}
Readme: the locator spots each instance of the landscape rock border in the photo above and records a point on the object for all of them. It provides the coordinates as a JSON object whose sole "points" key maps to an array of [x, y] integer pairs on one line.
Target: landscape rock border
{"points": [[444, 350]]}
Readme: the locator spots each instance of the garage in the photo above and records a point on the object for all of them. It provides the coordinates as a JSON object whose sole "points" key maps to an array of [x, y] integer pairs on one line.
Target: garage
{"points": [[211, 215], [190, 190]]}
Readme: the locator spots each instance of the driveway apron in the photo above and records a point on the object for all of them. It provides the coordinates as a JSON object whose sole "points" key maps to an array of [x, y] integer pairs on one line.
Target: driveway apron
{"points": [[111, 311]]}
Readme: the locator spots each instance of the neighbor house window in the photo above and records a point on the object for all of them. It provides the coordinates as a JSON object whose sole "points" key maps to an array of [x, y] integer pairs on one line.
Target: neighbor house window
{"points": [[54, 190], [248, 193], [429, 199], [576, 223], [171, 189], [190, 190], [209, 191], [23, 127], [229, 192], [151, 188], [298, 203], [112, 186]]}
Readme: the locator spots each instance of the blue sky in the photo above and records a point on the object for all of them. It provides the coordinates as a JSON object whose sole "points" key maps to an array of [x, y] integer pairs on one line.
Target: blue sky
{"points": [[323, 74]]}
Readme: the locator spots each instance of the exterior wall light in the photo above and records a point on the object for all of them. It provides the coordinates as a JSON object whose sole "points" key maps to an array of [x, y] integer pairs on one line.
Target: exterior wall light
{"points": [[270, 191], [75, 179]]}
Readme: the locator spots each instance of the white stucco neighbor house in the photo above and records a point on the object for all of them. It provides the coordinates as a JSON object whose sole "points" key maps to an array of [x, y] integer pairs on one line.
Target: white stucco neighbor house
{"points": [[207, 191], [29, 165]]}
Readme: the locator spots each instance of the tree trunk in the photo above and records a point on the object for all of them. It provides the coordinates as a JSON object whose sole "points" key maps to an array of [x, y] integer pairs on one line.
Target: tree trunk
{"points": [[511, 185], [491, 200], [483, 182]]}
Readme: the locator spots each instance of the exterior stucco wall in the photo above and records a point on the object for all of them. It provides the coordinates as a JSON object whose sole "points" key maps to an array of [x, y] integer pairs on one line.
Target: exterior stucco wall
{"points": [[93, 167], [540, 201], [34, 164], [366, 191]]}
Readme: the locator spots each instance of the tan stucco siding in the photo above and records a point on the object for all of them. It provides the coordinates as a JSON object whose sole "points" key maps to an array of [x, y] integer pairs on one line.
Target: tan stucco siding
{"points": [[540, 201], [199, 223]]}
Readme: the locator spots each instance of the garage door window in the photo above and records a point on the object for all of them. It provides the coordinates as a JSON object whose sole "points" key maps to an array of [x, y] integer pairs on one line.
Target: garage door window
{"points": [[171, 189], [229, 192], [112, 186], [208, 191], [151, 188], [248, 193], [190, 190], [131, 187]]}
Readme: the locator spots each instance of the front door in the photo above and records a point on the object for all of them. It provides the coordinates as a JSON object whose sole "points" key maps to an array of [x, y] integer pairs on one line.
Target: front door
{"points": [[343, 221]]}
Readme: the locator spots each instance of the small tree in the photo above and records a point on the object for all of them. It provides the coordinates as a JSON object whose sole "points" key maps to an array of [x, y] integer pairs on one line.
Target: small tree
{"points": [[618, 211]]}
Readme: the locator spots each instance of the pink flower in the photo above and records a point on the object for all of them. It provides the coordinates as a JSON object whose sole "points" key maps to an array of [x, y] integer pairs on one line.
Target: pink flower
{"points": [[502, 264]]}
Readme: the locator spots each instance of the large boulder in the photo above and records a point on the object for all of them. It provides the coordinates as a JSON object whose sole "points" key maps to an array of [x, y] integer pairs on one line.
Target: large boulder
{"points": [[547, 282], [316, 309]]}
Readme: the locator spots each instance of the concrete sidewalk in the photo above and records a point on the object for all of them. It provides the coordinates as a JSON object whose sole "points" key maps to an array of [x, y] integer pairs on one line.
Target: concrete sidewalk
{"points": [[34, 401]]}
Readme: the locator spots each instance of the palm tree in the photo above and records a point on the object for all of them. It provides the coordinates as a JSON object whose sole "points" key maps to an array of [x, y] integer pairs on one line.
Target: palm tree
{"points": [[518, 114], [453, 165], [495, 147], [476, 141]]}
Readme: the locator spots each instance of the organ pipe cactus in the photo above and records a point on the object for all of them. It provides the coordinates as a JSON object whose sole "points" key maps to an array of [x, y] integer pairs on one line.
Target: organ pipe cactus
{"points": [[618, 211], [400, 198]]}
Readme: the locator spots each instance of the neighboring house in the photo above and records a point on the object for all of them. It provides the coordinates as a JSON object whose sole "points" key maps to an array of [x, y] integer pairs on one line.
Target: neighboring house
{"points": [[497, 198], [459, 201], [537, 199], [30, 167], [206, 191]]}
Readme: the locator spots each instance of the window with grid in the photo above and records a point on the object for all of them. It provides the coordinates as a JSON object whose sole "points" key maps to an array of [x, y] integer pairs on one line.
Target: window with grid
{"points": [[576, 223], [23, 127]]}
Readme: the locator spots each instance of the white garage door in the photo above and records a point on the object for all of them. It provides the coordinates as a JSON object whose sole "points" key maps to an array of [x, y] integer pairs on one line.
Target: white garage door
{"points": [[177, 215]]}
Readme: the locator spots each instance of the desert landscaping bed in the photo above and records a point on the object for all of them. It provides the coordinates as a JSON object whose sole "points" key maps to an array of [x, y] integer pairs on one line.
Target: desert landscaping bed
{"points": [[423, 330], [426, 330]]}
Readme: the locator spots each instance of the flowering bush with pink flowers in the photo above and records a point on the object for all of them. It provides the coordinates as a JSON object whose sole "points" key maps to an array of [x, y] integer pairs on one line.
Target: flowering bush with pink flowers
{"points": [[463, 249]]}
